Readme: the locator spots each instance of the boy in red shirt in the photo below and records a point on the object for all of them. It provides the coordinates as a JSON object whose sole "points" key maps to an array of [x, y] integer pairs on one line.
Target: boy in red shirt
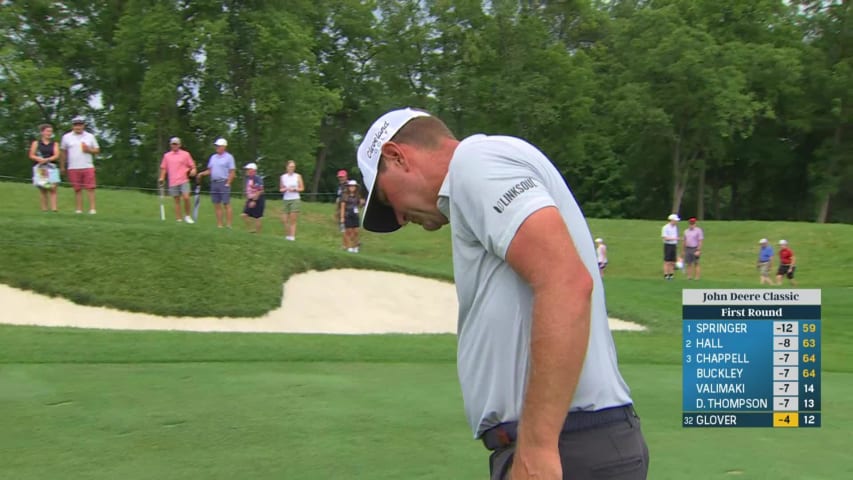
{"points": [[787, 264]]}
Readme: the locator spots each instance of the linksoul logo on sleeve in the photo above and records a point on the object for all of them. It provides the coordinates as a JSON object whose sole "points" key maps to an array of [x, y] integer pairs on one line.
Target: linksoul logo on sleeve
{"points": [[513, 193]]}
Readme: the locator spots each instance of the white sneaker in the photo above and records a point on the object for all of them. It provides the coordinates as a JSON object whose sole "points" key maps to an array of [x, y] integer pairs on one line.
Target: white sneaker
{"points": [[78, 212], [189, 219], [351, 250], [92, 211], [288, 237]]}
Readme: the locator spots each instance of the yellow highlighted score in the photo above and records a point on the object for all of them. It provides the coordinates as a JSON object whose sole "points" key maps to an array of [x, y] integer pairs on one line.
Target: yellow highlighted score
{"points": [[786, 419]]}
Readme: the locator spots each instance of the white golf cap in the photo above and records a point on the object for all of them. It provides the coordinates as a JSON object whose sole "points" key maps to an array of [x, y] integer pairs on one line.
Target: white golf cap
{"points": [[378, 217], [599, 240], [783, 242], [77, 120], [763, 240], [674, 217], [174, 141], [352, 182], [221, 142], [251, 166]]}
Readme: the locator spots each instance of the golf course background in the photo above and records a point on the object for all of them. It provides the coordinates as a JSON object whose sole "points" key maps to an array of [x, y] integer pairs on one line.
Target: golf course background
{"points": [[84, 404]]}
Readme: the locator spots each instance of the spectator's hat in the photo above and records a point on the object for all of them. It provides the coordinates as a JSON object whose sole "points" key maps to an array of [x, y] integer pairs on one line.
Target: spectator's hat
{"points": [[352, 182], [599, 240], [174, 141], [251, 166], [762, 241], [692, 220], [342, 173], [379, 217], [221, 142], [783, 242], [78, 120], [674, 217]]}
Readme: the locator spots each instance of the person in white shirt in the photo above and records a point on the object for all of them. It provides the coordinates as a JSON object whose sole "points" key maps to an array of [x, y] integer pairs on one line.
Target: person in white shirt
{"points": [[78, 147], [669, 234], [290, 184], [601, 254], [536, 361]]}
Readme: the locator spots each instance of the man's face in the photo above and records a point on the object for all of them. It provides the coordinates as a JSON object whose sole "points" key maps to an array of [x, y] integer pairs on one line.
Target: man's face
{"points": [[77, 128], [220, 149], [405, 190], [342, 179]]}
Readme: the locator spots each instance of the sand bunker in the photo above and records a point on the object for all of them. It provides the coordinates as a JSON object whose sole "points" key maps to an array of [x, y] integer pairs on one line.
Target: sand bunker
{"points": [[364, 302]]}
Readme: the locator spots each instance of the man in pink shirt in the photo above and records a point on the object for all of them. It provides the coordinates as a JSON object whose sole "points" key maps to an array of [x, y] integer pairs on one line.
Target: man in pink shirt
{"points": [[179, 164], [693, 238]]}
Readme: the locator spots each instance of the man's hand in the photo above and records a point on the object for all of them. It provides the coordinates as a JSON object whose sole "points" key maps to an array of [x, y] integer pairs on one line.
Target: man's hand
{"points": [[536, 463]]}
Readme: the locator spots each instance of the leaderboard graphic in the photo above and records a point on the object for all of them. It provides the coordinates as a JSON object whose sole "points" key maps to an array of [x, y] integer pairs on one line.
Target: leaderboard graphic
{"points": [[751, 358]]}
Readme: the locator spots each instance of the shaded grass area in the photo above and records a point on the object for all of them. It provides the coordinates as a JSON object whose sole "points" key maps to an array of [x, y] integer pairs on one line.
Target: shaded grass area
{"points": [[235, 420], [298, 420]]}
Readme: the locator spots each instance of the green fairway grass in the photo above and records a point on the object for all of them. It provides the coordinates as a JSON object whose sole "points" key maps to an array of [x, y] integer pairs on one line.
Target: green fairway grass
{"points": [[87, 404]]}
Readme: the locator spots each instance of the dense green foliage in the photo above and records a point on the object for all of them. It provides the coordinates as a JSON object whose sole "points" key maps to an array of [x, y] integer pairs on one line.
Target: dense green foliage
{"points": [[722, 109]]}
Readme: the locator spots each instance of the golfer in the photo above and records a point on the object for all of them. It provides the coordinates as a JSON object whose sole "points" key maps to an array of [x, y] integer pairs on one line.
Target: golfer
{"points": [[536, 360]]}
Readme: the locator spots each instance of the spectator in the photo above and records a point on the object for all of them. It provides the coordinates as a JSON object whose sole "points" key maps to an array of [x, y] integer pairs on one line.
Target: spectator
{"points": [[254, 190], [351, 201], [669, 234], [601, 255], [78, 147], [44, 152], [765, 262], [693, 238], [180, 166], [290, 185], [787, 263], [221, 167], [342, 185]]}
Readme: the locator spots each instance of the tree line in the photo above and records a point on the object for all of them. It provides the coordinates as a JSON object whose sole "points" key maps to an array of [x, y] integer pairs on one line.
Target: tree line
{"points": [[720, 109]]}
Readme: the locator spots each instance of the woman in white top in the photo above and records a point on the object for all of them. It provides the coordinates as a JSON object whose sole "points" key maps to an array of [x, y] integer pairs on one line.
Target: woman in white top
{"points": [[601, 253], [290, 185]]}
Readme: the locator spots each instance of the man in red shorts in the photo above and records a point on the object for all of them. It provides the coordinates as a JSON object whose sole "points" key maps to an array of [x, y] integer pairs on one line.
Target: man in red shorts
{"points": [[77, 148]]}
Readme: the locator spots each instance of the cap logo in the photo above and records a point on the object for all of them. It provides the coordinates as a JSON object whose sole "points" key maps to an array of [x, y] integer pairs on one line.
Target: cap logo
{"points": [[377, 138]]}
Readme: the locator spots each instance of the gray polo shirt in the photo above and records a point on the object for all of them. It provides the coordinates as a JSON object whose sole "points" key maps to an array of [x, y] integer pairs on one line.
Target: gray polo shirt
{"points": [[493, 184]]}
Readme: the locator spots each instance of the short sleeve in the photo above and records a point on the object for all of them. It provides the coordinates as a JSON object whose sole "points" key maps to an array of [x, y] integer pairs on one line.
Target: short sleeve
{"points": [[94, 141], [163, 161], [63, 143], [494, 188], [231, 163]]}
